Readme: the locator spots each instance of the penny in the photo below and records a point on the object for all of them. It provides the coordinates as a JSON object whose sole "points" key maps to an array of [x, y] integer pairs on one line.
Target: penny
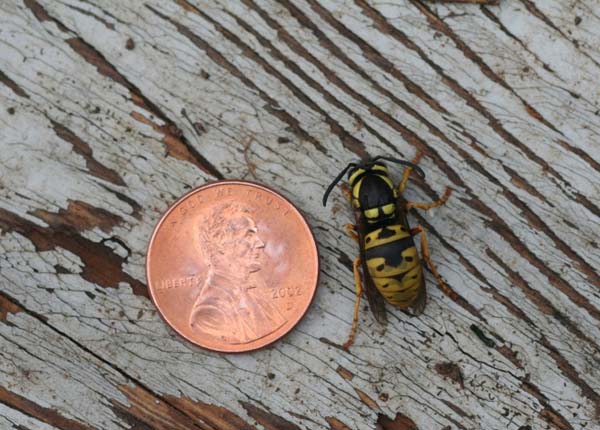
{"points": [[232, 266]]}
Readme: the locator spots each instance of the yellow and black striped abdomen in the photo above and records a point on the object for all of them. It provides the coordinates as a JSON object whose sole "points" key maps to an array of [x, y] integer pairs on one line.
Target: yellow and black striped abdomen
{"points": [[393, 263]]}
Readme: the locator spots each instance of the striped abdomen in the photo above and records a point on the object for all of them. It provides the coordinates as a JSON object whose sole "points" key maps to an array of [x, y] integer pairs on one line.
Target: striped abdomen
{"points": [[393, 263]]}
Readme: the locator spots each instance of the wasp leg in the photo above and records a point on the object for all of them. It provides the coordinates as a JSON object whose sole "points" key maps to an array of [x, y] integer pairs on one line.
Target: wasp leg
{"points": [[427, 206], [407, 171], [425, 251], [351, 231], [358, 285]]}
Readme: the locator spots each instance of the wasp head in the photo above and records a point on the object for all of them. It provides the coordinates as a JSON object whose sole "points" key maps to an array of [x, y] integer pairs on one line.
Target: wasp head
{"points": [[372, 190]]}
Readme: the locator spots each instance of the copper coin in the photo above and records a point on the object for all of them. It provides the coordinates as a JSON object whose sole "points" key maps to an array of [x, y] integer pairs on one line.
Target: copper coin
{"points": [[232, 266]]}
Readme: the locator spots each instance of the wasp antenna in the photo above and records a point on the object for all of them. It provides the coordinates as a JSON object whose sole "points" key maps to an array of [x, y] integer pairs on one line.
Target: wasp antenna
{"points": [[335, 181], [403, 162]]}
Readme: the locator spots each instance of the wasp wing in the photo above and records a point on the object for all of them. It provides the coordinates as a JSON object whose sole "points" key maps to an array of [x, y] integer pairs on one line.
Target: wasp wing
{"points": [[376, 300], [401, 216], [419, 304]]}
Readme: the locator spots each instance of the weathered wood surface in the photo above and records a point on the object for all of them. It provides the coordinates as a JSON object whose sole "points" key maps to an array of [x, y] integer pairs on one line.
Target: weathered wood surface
{"points": [[110, 110]]}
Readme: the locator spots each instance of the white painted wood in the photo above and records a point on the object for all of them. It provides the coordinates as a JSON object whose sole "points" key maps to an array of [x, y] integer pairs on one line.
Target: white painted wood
{"points": [[87, 340]]}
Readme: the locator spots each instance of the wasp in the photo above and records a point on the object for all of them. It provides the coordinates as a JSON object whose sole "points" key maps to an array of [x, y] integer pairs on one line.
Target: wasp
{"points": [[391, 265]]}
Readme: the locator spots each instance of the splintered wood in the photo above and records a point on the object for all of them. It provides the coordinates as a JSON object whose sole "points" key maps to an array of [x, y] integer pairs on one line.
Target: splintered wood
{"points": [[109, 111]]}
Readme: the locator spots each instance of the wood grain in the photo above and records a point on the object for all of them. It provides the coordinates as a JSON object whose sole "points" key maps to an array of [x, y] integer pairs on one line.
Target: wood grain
{"points": [[110, 110]]}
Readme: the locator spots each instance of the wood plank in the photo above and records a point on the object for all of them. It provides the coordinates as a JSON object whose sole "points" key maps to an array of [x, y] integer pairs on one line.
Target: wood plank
{"points": [[112, 111]]}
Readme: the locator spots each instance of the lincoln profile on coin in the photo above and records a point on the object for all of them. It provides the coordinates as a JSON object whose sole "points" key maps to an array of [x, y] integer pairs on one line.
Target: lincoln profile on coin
{"points": [[233, 304]]}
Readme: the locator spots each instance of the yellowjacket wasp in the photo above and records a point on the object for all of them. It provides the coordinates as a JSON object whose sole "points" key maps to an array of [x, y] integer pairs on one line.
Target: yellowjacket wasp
{"points": [[391, 265]]}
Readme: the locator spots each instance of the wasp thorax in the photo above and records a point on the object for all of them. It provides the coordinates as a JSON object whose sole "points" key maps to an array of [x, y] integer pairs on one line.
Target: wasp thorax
{"points": [[373, 192]]}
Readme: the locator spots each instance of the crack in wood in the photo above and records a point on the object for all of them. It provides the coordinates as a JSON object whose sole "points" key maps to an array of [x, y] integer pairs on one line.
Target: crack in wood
{"points": [[101, 265], [271, 105], [95, 58], [399, 422], [79, 216], [267, 419], [82, 148], [439, 25], [43, 414], [13, 86]]}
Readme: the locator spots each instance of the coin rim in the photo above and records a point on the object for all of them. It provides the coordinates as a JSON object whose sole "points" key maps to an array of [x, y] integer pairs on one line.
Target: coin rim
{"points": [[210, 185]]}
